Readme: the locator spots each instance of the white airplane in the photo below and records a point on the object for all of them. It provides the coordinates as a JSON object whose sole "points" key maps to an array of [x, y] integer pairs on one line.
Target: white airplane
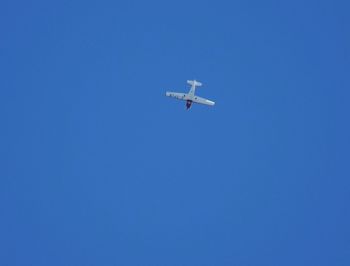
{"points": [[190, 97]]}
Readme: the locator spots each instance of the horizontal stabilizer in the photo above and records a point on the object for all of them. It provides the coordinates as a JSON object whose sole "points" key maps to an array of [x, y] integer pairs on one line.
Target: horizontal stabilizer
{"points": [[194, 83]]}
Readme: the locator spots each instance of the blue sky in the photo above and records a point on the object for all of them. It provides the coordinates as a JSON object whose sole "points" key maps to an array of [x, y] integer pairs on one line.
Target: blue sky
{"points": [[98, 167]]}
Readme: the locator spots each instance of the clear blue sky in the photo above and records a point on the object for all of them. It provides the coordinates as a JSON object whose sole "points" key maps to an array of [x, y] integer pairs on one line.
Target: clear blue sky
{"points": [[98, 167]]}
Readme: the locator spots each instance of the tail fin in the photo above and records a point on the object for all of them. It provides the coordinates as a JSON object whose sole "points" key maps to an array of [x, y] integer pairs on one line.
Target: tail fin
{"points": [[194, 83]]}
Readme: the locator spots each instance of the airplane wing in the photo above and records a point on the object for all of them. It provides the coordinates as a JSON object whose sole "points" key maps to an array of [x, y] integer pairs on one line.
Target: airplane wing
{"points": [[177, 95], [201, 100]]}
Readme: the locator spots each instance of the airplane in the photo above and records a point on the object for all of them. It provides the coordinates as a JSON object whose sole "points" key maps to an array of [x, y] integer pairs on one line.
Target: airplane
{"points": [[190, 97]]}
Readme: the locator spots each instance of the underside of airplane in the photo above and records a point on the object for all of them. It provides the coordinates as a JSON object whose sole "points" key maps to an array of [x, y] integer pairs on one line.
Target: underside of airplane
{"points": [[190, 97]]}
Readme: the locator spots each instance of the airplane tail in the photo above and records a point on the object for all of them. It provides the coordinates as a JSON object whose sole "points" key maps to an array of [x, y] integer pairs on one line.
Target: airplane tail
{"points": [[194, 83]]}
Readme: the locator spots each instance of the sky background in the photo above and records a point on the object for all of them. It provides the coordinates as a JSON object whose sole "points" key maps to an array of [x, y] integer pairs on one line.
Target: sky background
{"points": [[98, 167]]}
